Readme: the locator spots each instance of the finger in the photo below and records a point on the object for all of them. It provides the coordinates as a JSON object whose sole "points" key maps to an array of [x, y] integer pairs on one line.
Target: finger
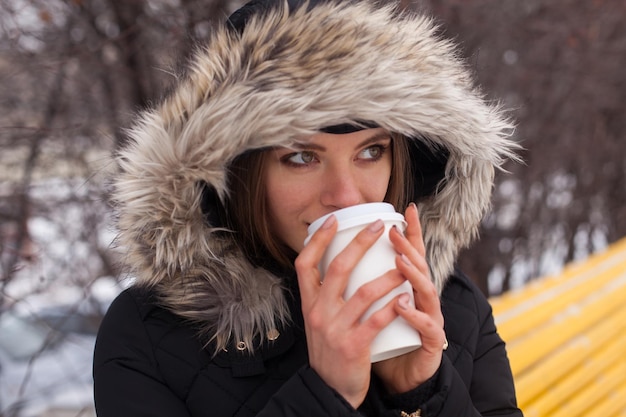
{"points": [[363, 331], [307, 262], [414, 267], [404, 247], [377, 321], [414, 229], [431, 331], [341, 266], [426, 295], [366, 295]]}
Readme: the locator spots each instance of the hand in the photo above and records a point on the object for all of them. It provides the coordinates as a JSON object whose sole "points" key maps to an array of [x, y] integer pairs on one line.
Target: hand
{"points": [[406, 372], [338, 341]]}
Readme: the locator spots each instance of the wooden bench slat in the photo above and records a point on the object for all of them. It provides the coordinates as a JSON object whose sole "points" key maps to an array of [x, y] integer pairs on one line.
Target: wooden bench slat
{"points": [[582, 403], [523, 353], [514, 298], [566, 338], [559, 364], [614, 405], [523, 318], [584, 376]]}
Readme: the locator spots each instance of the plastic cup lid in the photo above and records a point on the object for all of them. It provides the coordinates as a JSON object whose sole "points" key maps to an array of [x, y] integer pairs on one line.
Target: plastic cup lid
{"points": [[358, 215]]}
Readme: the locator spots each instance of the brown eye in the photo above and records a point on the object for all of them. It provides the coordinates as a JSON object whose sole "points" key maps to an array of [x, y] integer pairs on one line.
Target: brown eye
{"points": [[372, 152], [301, 158]]}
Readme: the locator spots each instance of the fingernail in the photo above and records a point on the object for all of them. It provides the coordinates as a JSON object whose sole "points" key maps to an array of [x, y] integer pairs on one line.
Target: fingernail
{"points": [[329, 222], [376, 226], [397, 230], [406, 260], [413, 205], [403, 301]]}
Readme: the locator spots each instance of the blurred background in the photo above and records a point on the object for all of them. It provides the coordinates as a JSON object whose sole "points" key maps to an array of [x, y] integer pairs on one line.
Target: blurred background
{"points": [[74, 72]]}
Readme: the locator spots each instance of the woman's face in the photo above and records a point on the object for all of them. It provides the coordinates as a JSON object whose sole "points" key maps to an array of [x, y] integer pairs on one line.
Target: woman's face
{"points": [[327, 173]]}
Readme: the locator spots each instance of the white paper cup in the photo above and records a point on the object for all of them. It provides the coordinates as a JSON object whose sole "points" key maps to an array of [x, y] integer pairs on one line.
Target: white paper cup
{"points": [[398, 337]]}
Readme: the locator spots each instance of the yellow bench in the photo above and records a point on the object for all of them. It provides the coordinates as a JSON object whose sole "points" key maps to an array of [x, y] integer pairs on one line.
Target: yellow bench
{"points": [[566, 338]]}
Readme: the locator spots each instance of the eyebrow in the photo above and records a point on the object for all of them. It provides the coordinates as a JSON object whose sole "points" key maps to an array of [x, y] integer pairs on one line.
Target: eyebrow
{"points": [[372, 139]]}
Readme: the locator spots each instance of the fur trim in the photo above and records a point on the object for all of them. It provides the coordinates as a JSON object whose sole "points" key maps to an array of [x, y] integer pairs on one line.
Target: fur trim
{"points": [[285, 77]]}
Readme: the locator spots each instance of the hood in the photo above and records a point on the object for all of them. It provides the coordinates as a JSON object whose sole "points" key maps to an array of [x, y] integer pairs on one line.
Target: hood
{"points": [[286, 75]]}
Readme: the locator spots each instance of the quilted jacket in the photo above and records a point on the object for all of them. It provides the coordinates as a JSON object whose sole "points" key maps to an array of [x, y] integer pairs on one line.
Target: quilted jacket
{"points": [[148, 362]]}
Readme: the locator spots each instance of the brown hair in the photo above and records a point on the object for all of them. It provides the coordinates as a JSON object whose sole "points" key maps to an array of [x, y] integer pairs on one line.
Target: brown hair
{"points": [[246, 208]]}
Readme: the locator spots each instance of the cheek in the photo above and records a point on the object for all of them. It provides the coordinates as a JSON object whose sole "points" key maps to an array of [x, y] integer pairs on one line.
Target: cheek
{"points": [[377, 183], [278, 192], [280, 200], [273, 193], [376, 188], [285, 196], [286, 203]]}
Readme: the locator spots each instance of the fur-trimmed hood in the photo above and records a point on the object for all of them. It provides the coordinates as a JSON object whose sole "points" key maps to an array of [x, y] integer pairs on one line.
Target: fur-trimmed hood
{"points": [[285, 76]]}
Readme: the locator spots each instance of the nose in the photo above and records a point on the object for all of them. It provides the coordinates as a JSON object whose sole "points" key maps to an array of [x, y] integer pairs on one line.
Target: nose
{"points": [[341, 188]]}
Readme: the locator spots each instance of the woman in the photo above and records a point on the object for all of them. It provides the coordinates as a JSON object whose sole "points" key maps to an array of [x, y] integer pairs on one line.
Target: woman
{"points": [[291, 112]]}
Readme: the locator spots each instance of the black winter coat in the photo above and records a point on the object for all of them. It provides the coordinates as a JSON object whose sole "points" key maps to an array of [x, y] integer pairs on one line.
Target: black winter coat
{"points": [[148, 362]]}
